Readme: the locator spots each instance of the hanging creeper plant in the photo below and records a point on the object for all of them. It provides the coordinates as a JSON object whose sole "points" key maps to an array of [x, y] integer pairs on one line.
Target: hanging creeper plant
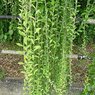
{"points": [[67, 27], [35, 45], [48, 31]]}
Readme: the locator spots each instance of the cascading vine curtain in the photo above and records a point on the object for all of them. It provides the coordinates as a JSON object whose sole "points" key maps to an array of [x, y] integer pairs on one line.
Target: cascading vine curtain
{"points": [[48, 31]]}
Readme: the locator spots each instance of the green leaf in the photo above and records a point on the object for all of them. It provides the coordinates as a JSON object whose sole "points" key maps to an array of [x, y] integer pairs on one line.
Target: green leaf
{"points": [[38, 11], [37, 48], [20, 63], [11, 32], [22, 33], [32, 41], [20, 28], [19, 44], [37, 30], [5, 37], [25, 41]]}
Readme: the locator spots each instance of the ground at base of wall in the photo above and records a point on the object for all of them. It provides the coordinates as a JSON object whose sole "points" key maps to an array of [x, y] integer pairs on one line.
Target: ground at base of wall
{"points": [[9, 64]]}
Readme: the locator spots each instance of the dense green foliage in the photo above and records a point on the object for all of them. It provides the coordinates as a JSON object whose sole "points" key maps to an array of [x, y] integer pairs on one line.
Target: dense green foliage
{"points": [[10, 33], [13, 34], [89, 86], [86, 10], [49, 28], [48, 32], [8, 28]]}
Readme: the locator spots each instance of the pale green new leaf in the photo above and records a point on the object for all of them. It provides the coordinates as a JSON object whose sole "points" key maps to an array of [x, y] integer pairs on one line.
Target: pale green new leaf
{"points": [[20, 63], [22, 33], [37, 48], [37, 30], [19, 44]]}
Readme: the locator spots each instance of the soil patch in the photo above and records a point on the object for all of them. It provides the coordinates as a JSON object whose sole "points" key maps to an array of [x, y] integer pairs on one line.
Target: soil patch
{"points": [[9, 63], [80, 67]]}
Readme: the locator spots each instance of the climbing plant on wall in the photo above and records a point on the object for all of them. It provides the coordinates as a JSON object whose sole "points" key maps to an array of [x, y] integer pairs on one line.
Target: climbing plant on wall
{"points": [[48, 31]]}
